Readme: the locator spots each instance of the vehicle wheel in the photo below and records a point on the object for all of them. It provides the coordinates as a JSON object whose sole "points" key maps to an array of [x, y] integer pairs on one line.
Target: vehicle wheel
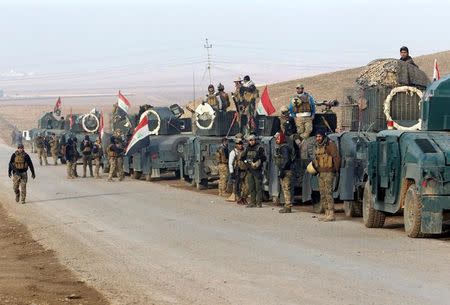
{"points": [[137, 175], [412, 213], [353, 208], [177, 174], [371, 217]]}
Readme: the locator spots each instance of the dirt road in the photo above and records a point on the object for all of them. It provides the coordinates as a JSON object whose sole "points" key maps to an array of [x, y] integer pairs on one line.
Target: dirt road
{"points": [[149, 243]]}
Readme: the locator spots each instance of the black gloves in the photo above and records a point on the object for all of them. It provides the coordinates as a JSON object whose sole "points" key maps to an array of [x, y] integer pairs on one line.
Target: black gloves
{"points": [[33, 175]]}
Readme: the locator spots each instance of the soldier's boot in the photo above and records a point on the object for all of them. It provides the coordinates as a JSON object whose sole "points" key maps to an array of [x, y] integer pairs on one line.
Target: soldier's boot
{"points": [[22, 201], [110, 180], [251, 205], [285, 210], [18, 196], [330, 216], [231, 198], [322, 217]]}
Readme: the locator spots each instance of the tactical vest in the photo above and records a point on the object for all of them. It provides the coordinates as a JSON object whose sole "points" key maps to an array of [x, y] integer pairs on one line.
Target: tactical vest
{"points": [[301, 104], [237, 162], [96, 151], [87, 149], [251, 154], [250, 96], [278, 157], [224, 100], [19, 161], [212, 101], [112, 153], [323, 160], [39, 142]]}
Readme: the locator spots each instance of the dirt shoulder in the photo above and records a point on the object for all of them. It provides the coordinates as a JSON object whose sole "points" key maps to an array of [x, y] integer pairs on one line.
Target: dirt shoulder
{"points": [[31, 274]]}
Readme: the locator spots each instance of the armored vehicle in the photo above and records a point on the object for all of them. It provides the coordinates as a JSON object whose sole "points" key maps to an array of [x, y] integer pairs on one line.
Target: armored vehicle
{"points": [[410, 170]]}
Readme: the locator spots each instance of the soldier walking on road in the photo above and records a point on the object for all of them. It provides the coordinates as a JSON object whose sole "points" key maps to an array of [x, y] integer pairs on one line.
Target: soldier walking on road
{"points": [[18, 166], [54, 148], [71, 156], [40, 144], [222, 156], [283, 160], [254, 157], [303, 109], [86, 151], [97, 155], [326, 163]]}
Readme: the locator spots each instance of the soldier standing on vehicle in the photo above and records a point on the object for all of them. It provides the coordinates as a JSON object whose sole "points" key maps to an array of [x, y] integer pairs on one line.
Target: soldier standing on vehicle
{"points": [[254, 157], [302, 108], [211, 98], [287, 122], [404, 56], [239, 102], [283, 161], [327, 163], [97, 155], [86, 153], [223, 98], [222, 156], [18, 166], [54, 148], [40, 144], [249, 93], [71, 155]]}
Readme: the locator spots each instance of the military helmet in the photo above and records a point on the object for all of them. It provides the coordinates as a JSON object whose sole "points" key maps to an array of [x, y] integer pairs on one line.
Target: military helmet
{"points": [[311, 169], [20, 145], [284, 110], [301, 86], [220, 87], [246, 78], [238, 79], [211, 86]]}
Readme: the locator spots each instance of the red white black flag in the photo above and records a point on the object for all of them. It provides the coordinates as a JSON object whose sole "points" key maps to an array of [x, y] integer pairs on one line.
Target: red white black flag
{"points": [[140, 137], [123, 103], [265, 106], [57, 108], [101, 128], [436, 74]]}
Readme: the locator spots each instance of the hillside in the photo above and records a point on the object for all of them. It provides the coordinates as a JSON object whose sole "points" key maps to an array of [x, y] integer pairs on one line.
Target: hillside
{"points": [[330, 86]]}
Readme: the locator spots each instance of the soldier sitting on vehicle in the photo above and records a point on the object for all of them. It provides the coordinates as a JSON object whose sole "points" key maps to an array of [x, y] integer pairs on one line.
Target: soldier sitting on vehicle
{"points": [[222, 98], [302, 108], [283, 161], [211, 98], [287, 122]]}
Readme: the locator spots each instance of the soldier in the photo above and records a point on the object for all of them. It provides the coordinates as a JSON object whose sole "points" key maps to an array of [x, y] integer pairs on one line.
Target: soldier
{"points": [[223, 98], [287, 125], [239, 102], [327, 163], [71, 155], [404, 56], [77, 154], [222, 156], [283, 160], [97, 155], [211, 98], [18, 166], [115, 155], [54, 148], [40, 144], [86, 155], [62, 123], [237, 172], [254, 157], [249, 94], [302, 107]]}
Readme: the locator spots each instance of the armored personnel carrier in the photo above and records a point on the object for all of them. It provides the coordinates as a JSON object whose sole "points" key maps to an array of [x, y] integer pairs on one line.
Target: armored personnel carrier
{"points": [[409, 170]]}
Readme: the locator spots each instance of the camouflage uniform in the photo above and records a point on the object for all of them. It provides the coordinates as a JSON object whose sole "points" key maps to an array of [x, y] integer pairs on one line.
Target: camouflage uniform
{"points": [[250, 94], [40, 148], [18, 167], [71, 155], [327, 163], [222, 160], [253, 157], [86, 151], [302, 109], [115, 156], [54, 149], [97, 155], [283, 160]]}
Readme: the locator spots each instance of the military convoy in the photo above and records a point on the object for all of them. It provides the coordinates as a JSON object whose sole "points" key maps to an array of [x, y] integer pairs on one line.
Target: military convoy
{"points": [[383, 172]]}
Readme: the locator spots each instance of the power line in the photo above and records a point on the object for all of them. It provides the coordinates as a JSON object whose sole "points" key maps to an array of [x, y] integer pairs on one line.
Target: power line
{"points": [[208, 46]]}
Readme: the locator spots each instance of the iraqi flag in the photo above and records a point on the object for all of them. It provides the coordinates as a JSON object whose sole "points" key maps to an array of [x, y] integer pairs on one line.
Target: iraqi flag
{"points": [[70, 119], [140, 137], [436, 74], [57, 108], [265, 106], [123, 103]]}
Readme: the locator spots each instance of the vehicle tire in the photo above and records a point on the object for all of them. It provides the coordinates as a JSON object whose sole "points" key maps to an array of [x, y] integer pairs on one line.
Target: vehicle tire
{"points": [[412, 213], [353, 208], [371, 217], [137, 175], [177, 174]]}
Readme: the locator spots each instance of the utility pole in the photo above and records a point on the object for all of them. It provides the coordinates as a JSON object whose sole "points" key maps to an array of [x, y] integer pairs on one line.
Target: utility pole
{"points": [[208, 46]]}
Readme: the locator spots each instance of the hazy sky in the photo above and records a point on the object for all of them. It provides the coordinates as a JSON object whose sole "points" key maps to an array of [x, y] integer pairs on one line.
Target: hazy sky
{"points": [[155, 43]]}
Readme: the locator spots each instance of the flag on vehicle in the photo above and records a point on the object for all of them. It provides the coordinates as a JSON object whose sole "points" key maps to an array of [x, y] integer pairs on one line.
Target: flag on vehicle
{"points": [[436, 74], [70, 118], [265, 106], [57, 108], [140, 137], [123, 103], [101, 130]]}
